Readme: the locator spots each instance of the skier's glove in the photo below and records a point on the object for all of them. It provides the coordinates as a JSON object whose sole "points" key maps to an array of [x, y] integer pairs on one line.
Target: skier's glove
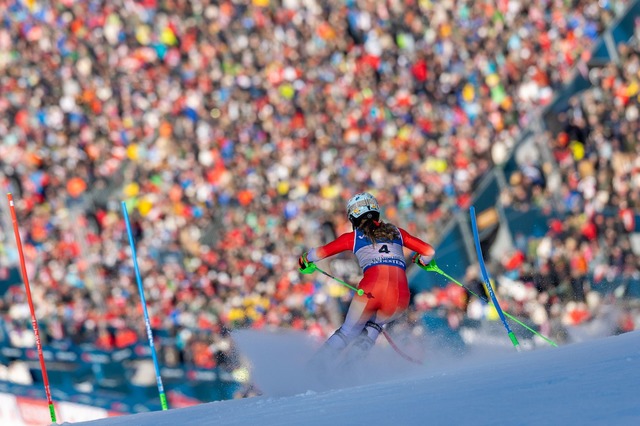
{"points": [[419, 260], [306, 267]]}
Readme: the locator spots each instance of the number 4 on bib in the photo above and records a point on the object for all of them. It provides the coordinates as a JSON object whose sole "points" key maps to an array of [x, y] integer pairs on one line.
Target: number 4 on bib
{"points": [[384, 249]]}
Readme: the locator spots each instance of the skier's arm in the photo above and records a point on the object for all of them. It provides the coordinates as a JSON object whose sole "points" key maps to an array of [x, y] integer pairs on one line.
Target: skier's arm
{"points": [[425, 250], [343, 243]]}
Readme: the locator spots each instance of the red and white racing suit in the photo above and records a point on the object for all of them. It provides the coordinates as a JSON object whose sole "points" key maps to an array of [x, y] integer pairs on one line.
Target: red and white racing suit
{"points": [[386, 291]]}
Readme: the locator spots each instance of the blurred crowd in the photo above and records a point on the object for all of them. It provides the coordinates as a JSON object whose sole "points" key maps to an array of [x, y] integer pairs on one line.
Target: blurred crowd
{"points": [[592, 253], [585, 266], [234, 131]]}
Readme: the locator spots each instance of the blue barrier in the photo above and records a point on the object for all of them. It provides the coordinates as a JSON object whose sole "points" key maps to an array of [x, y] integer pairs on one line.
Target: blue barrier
{"points": [[87, 375]]}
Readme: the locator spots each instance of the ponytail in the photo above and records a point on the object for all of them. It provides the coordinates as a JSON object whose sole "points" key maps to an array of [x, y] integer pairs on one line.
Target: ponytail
{"points": [[378, 230]]}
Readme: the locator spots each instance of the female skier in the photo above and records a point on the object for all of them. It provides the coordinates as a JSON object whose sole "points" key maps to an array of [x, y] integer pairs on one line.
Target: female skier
{"points": [[378, 247]]}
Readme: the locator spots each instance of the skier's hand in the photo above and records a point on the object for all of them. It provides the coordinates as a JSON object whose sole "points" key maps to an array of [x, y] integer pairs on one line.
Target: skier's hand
{"points": [[417, 259], [420, 261], [306, 267]]}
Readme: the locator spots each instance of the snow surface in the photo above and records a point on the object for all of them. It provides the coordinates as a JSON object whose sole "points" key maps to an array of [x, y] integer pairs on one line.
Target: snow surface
{"points": [[595, 382]]}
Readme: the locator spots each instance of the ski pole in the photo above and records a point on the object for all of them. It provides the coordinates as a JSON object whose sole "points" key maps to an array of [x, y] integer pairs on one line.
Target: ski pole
{"points": [[398, 351], [432, 267], [357, 290], [487, 281]]}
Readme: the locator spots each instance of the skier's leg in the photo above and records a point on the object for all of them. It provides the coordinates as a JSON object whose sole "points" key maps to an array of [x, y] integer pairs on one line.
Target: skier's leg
{"points": [[352, 327], [365, 341]]}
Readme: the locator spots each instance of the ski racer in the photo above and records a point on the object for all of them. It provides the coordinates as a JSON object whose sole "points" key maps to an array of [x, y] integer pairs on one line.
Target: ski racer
{"points": [[378, 247]]}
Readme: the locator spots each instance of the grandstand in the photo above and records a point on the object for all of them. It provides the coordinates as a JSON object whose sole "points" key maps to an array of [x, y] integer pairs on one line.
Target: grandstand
{"points": [[235, 131]]}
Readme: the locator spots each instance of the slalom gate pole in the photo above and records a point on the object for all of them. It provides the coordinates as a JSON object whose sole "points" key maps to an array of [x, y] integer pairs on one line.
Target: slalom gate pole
{"points": [[34, 322], [487, 281], [163, 397], [370, 296]]}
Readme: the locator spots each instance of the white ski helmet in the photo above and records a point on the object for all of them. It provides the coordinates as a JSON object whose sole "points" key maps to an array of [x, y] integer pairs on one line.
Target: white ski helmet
{"points": [[362, 206]]}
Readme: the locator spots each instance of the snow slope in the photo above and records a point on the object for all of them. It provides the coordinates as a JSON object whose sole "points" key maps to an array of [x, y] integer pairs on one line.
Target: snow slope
{"points": [[595, 382]]}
